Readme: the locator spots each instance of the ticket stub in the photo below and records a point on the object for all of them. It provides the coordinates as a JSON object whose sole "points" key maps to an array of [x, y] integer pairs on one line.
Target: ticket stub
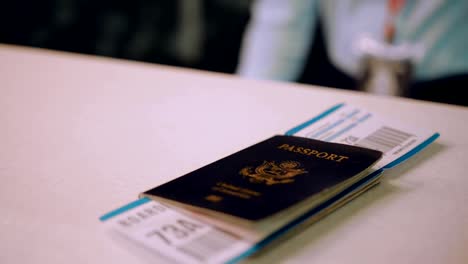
{"points": [[183, 239], [352, 125], [173, 235]]}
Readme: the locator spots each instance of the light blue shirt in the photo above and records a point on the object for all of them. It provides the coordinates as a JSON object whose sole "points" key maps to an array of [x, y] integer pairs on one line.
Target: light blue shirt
{"points": [[279, 35]]}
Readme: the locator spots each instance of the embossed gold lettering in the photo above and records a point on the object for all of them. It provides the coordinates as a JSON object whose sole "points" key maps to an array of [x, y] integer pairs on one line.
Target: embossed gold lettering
{"points": [[313, 152]]}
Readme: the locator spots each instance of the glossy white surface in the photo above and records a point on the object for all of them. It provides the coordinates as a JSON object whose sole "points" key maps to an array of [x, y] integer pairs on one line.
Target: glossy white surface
{"points": [[82, 135]]}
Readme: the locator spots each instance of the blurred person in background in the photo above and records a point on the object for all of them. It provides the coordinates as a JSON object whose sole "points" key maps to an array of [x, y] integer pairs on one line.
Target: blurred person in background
{"points": [[407, 48]]}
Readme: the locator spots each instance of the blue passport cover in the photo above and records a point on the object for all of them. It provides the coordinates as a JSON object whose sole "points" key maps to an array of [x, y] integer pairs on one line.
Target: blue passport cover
{"points": [[268, 177]]}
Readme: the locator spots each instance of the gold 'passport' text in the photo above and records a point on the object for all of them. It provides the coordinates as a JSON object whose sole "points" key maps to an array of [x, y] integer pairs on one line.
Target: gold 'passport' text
{"points": [[313, 152]]}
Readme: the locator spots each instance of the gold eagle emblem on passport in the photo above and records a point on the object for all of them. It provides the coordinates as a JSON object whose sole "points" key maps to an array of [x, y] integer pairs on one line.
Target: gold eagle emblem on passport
{"points": [[270, 173]]}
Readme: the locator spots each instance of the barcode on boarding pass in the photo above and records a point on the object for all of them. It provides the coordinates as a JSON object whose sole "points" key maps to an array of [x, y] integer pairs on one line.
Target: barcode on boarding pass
{"points": [[384, 139], [208, 245]]}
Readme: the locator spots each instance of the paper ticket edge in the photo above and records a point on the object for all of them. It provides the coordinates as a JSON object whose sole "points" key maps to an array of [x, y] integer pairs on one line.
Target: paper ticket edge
{"points": [[392, 164]]}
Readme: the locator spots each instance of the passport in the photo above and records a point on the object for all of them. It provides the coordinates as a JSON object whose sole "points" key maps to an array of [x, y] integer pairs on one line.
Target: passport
{"points": [[268, 184]]}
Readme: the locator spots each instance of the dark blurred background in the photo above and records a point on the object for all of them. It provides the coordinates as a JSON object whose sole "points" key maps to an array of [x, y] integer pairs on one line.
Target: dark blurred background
{"points": [[200, 34], [203, 34]]}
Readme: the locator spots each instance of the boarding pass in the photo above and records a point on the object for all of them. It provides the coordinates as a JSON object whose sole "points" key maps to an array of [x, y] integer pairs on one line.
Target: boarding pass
{"points": [[169, 235]]}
